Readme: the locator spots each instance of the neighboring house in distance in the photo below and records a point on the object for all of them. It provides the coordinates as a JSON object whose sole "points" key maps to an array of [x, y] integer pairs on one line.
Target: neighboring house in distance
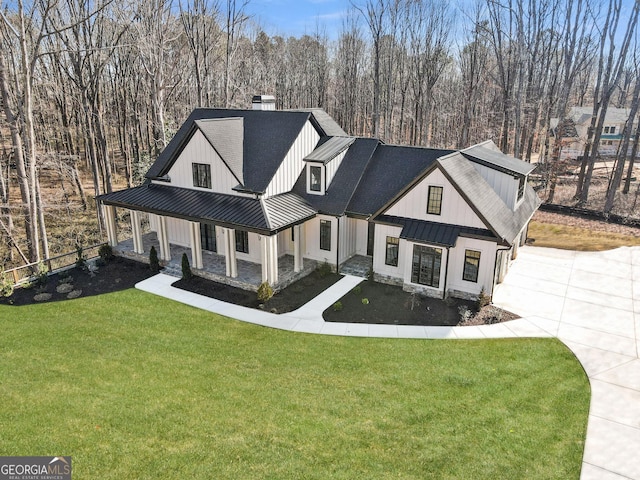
{"points": [[257, 185], [576, 129]]}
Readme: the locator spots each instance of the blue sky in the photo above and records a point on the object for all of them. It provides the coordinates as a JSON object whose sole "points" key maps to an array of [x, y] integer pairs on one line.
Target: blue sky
{"points": [[297, 17]]}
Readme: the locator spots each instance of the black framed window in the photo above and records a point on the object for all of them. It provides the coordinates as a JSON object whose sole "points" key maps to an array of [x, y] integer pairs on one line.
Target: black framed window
{"points": [[201, 175], [208, 237], [425, 268], [521, 183], [315, 179], [471, 265], [242, 241], [391, 255], [434, 204], [325, 234]]}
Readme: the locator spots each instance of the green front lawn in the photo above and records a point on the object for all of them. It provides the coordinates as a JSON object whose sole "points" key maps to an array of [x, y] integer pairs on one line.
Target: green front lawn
{"points": [[134, 386]]}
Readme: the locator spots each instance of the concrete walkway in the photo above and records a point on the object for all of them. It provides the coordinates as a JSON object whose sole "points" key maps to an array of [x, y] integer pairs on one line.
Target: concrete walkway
{"points": [[590, 301]]}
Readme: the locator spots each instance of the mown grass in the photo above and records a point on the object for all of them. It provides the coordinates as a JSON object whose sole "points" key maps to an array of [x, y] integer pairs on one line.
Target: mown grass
{"points": [[568, 237], [134, 386]]}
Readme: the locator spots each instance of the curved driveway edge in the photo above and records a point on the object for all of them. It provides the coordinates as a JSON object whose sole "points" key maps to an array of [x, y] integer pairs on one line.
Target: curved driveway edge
{"points": [[589, 300]]}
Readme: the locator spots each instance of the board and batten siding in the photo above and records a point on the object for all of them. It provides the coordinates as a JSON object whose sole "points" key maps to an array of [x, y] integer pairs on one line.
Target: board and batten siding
{"points": [[505, 185], [199, 150], [362, 236], [379, 251], [312, 240], [455, 209], [486, 268], [293, 164]]}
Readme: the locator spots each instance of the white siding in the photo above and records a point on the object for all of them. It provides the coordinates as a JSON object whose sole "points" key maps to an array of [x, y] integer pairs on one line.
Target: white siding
{"points": [[505, 185], [332, 167], [199, 150], [455, 210], [362, 235], [292, 166], [486, 269], [348, 237], [379, 252], [312, 240]]}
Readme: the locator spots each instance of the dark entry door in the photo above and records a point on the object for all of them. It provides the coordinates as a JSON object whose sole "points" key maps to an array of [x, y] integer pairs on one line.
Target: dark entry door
{"points": [[370, 236], [208, 236]]}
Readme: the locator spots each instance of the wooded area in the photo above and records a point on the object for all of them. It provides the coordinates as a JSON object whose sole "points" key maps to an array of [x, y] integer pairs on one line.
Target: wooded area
{"points": [[95, 89]]}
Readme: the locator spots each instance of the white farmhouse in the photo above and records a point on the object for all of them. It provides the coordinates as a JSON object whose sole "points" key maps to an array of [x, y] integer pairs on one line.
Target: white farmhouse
{"points": [[278, 191]]}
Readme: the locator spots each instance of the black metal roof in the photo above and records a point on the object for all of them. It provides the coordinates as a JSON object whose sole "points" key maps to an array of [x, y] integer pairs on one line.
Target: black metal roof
{"points": [[329, 149], [268, 136], [261, 216], [432, 232]]}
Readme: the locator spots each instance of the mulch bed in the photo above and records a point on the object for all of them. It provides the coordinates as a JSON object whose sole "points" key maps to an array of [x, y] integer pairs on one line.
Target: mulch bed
{"points": [[372, 302], [119, 274], [286, 300], [385, 304]]}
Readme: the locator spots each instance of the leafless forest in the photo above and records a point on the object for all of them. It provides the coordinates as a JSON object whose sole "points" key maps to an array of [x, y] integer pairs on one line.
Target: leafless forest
{"points": [[91, 91]]}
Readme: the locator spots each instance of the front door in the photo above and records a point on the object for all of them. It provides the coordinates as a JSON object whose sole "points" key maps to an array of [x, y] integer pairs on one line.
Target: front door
{"points": [[370, 235], [208, 237]]}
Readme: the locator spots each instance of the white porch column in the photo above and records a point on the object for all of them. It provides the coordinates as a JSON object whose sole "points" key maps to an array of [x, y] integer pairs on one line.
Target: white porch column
{"points": [[138, 246], [163, 239], [230, 252], [297, 249], [264, 257], [272, 245], [196, 244], [110, 221]]}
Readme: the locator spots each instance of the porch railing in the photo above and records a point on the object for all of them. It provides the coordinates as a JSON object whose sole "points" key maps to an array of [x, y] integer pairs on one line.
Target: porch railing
{"points": [[25, 273]]}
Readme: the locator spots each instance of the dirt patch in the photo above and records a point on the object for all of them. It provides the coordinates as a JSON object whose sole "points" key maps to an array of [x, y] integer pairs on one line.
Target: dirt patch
{"points": [[119, 274], [593, 225]]}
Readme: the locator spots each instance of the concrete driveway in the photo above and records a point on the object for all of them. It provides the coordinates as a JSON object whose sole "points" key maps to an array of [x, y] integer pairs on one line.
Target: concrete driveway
{"points": [[591, 302]]}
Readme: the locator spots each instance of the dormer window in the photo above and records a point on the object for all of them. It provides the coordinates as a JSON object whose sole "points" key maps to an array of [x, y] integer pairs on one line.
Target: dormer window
{"points": [[315, 179], [201, 175], [521, 183]]}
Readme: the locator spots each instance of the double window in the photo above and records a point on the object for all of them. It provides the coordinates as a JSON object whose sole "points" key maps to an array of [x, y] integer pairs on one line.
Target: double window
{"points": [[325, 234], [391, 255], [471, 265], [610, 130], [434, 203], [242, 241], [201, 175]]}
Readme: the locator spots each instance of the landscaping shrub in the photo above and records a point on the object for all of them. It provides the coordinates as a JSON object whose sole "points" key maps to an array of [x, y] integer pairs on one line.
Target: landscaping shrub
{"points": [[42, 275], [483, 299], [265, 292], [106, 253], [324, 269], [337, 306], [81, 261], [154, 263], [6, 285], [357, 289], [365, 301], [186, 268]]}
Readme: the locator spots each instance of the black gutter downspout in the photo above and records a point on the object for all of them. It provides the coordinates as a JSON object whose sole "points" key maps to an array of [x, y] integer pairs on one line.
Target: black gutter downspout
{"points": [[338, 245], [446, 274]]}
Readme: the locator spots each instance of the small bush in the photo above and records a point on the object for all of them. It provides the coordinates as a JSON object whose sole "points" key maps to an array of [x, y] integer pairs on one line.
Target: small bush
{"points": [[64, 288], [265, 292], [6, 285], [365, 301], [357, 290], [324, 269], [337, 306], [483, 299], [42, 275], [465, 313], [186, 268], [154, 263], [81, 261], [106, 253]]}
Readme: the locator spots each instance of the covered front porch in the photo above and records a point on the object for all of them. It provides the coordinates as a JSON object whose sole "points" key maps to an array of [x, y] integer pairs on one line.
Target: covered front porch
{"points": [[214, 267]]}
